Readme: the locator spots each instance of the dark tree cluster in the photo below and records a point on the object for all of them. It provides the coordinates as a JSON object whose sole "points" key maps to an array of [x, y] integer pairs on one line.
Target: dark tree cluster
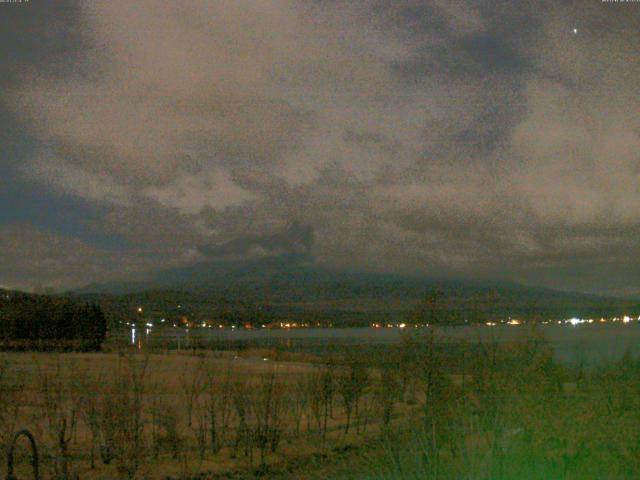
{"points": [[44, 321]]}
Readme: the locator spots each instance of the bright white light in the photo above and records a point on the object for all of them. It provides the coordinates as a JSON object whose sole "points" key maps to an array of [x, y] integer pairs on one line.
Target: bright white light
{"points": [[133, 335], [139, 309], [626, 319], [575, 31], [575, 321], [149, 325], [402, 325]]}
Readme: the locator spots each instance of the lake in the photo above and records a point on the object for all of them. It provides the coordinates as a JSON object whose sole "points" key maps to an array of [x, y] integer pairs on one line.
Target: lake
{"points": [[588, 343]]}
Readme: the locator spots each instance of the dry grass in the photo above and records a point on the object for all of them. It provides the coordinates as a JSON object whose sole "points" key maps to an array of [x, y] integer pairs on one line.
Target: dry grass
{"points": [[137, 400]]}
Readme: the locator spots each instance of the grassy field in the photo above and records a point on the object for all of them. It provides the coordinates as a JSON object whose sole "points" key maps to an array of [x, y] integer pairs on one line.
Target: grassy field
{"points": [[481, 410], [137, 415]]}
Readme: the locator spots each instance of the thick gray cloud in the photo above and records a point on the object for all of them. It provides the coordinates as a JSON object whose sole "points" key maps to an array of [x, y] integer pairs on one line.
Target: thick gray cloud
{"points": [[424, 136], [296, 239]]}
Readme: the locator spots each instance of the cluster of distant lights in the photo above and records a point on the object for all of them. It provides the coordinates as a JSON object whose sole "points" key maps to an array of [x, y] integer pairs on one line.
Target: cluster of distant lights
{"points": [[398, 325], [579, 321], [514, 322], [573, 321], [247, 326], [289, 325]]}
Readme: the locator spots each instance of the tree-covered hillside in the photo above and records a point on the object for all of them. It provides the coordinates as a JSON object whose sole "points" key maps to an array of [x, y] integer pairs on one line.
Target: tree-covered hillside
{"points": [[40, 320]]}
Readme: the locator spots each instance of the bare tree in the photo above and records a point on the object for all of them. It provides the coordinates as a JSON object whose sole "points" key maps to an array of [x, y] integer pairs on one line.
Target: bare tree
{"points": [[352, 380], [299, 401], [267, 405], [326, 397], [193, 384], [164, 424], [122, 415], [217, 404], [387, 392], [87, 406], [241, 402], [313, 387], [60, 418]]}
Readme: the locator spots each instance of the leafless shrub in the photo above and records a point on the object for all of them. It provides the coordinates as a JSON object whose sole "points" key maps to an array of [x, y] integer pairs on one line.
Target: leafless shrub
{"points": [[433, 381], [352, 379], [122, 420], [211, 417], [201, 432], [87, 405], [320, 391], [406, 356], [386, 392], [267, 404], [241, 403], [164, 425], [193, 384], [299, 401], [225, 403], [326, 396], [169, 424], [217, 406], [11, 400], [60, 418], [313, 387]]}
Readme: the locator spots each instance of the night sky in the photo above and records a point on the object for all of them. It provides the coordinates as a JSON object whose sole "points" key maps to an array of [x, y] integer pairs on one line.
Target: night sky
{"points": [[491, 139]]}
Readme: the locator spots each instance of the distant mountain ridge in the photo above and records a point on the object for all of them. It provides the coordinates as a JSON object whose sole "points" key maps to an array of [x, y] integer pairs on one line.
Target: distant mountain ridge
{"points": [[284, 277], [293, 282]]}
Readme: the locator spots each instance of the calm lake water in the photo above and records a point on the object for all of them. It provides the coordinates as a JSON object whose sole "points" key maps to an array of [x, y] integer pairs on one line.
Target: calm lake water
{"points": [[588, 343]]}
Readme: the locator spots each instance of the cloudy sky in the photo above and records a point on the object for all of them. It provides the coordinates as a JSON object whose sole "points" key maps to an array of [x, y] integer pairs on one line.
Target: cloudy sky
{"points": [[437, 137]]}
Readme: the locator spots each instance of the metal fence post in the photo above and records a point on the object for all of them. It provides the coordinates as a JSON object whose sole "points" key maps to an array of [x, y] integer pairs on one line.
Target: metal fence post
{"points": [[34, 455]]}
